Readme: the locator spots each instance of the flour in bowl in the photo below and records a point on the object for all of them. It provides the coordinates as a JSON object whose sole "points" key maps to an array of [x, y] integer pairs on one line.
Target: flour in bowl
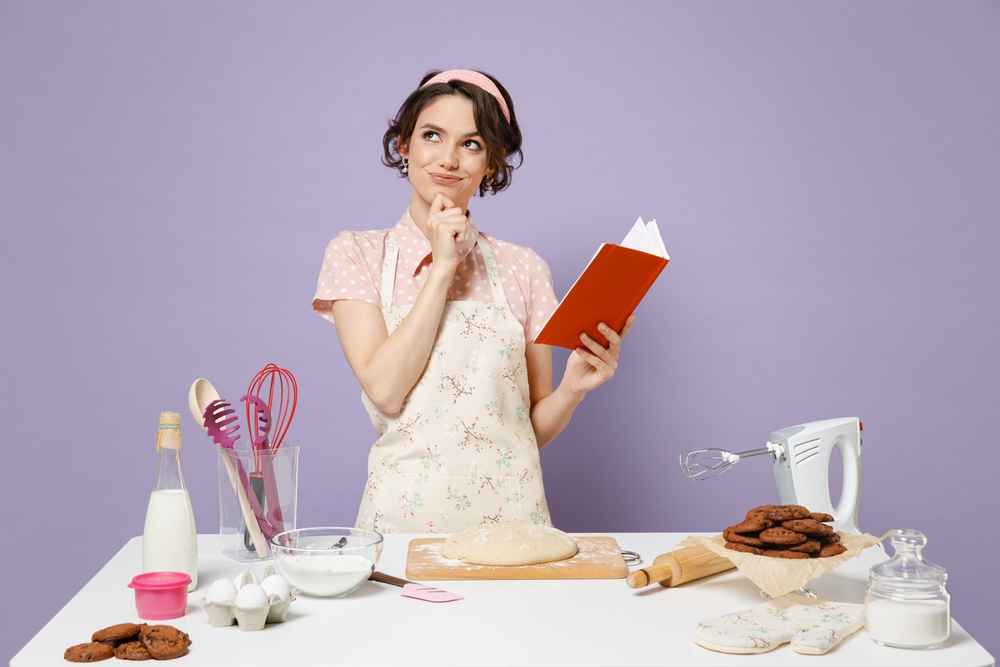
{"points": [[326, 575]]}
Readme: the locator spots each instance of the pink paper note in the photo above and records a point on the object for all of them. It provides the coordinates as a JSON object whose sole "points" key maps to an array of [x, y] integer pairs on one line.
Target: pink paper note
{"points": [[428, 593]]}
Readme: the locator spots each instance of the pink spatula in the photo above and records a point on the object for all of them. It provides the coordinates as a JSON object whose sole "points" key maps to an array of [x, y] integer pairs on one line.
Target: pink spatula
{"points": [[415, 590]]}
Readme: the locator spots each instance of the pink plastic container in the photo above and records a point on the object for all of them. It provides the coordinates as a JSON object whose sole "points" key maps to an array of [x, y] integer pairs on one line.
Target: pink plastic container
{"points": [[160, 596]]}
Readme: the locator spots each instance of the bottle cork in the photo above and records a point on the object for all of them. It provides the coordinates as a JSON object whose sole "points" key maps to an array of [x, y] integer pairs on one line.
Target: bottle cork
{"points": [[169, 434]]}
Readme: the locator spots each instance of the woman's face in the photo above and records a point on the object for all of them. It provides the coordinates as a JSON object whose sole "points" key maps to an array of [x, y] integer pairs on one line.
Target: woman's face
{"points": [[446, 153]]}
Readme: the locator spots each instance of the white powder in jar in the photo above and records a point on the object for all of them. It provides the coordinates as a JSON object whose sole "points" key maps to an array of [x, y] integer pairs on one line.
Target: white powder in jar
{"points": [[326, 575], [911, 624]]}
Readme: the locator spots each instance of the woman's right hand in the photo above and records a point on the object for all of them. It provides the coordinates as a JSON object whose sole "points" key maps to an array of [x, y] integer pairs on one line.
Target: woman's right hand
{"points": [[446, 224]]}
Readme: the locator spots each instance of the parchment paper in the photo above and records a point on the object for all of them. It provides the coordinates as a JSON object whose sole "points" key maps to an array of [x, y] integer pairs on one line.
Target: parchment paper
{"points": [[779, 576]]}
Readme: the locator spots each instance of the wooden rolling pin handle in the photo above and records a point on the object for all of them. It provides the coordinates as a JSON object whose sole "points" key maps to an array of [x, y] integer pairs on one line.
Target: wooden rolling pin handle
{"points": [[649, 575], [679, 567]]}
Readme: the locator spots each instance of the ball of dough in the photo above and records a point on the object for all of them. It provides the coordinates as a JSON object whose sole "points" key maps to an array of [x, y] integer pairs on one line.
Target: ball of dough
{"points": [[509, 544]]}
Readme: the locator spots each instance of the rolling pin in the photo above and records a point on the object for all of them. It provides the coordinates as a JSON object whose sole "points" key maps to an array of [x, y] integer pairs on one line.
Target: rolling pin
{"points": [[678, 567]]}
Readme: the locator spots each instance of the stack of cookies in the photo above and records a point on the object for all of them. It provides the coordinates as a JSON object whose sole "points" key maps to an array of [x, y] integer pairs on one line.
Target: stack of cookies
{"points": [[784, 531], [132, 641]]}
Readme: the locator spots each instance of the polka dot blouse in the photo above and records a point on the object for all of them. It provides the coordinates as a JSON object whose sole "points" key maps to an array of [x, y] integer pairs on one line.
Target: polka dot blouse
{"points": [[352, 269]]}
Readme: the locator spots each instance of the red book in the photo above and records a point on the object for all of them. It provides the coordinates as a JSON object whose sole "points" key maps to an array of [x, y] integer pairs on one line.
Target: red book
{"points": [[609, 289]]}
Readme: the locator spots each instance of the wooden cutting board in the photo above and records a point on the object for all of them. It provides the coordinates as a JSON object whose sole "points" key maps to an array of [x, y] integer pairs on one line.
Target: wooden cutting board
{"points": [[597, 558]]}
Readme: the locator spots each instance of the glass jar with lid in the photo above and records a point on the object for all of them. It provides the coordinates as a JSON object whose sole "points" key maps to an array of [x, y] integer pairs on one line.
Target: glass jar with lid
{"points": [[906, 602]]}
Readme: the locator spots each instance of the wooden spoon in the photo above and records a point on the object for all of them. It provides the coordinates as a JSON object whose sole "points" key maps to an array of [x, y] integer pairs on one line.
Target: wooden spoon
{"points": [[201, 394]]}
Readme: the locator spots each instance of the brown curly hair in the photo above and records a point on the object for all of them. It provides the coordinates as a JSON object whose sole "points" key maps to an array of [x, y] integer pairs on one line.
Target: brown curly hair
{"points": [[502, 139]]}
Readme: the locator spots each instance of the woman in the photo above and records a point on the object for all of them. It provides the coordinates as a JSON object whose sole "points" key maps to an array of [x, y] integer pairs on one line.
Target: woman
{"points": [[434, 316]]}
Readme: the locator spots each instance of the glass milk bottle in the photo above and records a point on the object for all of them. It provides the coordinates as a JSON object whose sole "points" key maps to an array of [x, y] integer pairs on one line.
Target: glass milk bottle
{"points": [[169, 539], [906, 602]]}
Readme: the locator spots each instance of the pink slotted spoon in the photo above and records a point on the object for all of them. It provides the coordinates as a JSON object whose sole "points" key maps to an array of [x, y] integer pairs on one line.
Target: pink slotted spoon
{"points": [[220, 422]]}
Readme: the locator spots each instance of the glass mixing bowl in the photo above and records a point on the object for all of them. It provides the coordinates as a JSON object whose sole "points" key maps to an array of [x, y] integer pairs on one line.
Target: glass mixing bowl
{"points": [[326, 562]]}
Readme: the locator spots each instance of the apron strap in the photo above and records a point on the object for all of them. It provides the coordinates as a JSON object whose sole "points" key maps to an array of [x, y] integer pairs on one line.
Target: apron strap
{"points": [[389, 270], [492, 270]]}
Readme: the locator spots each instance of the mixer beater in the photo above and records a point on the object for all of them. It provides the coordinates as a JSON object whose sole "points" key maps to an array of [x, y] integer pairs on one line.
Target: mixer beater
{"points": [[702, 464]]}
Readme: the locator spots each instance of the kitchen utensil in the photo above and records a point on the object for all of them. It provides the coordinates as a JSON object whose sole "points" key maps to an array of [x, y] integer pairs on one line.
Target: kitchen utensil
{"points": [[220, 420], [201, 394], [412, 589], [702, 464], [160, 595], [801, 463], [304, 558], [679, 567], [597, 558], [277, 387], [259, 425]]}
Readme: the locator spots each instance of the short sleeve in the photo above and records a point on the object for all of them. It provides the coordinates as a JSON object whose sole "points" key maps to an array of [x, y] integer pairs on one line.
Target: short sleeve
{"points": [[349, 271]]}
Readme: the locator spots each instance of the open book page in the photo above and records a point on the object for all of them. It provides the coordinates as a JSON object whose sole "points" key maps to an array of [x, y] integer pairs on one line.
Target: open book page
{"points": [[646, 238], [654, 231]]}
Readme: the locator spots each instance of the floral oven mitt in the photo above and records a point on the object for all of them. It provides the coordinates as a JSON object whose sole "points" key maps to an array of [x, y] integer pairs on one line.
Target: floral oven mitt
{"points": [[812, 626]]}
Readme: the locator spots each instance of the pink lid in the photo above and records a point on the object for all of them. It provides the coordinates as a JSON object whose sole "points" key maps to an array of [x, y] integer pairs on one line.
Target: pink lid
{"points": [[153, 581]]}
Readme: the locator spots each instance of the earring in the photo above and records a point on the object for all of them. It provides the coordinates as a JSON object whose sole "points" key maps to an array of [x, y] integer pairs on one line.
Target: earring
{"points": [[489, 183], [406, 166]]}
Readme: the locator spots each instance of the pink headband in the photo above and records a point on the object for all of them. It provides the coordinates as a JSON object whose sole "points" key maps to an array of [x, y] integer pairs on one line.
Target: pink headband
{"points": [[476, 79]]}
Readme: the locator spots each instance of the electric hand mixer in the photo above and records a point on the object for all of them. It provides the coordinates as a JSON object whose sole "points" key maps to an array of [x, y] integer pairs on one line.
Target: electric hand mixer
{"points": [[801, 461]]}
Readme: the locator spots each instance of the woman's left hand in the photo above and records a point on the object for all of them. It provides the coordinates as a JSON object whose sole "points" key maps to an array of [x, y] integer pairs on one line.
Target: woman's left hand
{"points": [[587, 370]]}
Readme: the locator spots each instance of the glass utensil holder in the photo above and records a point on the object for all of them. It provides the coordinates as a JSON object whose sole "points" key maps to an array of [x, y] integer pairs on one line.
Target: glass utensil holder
{"points": [[906, 602], [272, 477]]}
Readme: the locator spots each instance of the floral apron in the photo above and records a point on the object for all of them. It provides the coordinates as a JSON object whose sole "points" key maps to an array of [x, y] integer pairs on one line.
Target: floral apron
{"points": [[462, 450]]}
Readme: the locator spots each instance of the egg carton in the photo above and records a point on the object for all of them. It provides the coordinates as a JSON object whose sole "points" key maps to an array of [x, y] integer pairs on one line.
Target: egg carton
{"points": [[224, 614]]}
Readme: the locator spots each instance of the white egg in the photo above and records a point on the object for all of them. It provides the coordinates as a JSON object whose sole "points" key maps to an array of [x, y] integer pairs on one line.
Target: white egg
{"points": [[239, 579], [276, 585], [251, 596], [221, 590]]}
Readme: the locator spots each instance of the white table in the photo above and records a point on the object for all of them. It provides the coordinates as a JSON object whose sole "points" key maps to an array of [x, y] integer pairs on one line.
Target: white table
{"points": [[591, 622]]}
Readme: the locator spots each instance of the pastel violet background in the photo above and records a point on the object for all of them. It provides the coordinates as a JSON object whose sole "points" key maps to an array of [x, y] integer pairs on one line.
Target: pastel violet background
{"points": [[825, 175]]}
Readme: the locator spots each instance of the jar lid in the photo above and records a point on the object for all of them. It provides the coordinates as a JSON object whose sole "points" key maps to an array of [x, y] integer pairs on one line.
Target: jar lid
{"points": [[156, 581], [908, 571]]}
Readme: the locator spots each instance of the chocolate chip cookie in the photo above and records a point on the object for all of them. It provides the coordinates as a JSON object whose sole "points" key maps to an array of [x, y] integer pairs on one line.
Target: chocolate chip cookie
{"points": [[750, 539], [834, 549], [164, 642], [784, 553], [91, 652], [759, 510], [807, 526], [752, 525], [782, 536], [808, 547], [133, 651], [820, 516], [116, 633], [744, 548], [786, 513]]}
